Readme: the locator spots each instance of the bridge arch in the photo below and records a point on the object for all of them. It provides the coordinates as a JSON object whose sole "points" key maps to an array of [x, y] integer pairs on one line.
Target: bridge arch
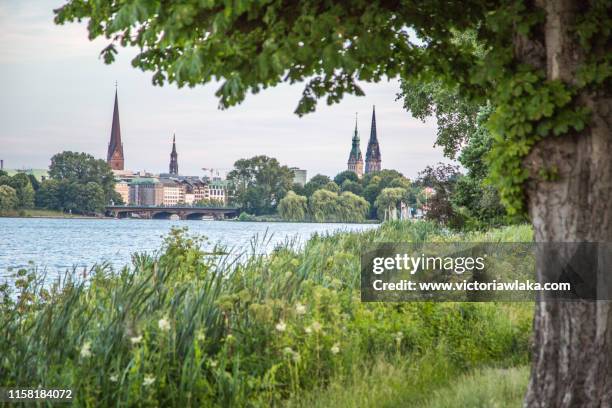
{"points": [[163, 215]]}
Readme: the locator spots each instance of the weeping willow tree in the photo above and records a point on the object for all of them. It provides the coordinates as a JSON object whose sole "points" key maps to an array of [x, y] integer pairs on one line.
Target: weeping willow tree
{"points": [[293, 207], [327, 205], [389, 199], [353, 208]]}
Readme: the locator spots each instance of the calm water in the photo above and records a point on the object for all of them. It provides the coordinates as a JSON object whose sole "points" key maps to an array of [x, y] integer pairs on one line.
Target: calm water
{"points": [[59, 244]]}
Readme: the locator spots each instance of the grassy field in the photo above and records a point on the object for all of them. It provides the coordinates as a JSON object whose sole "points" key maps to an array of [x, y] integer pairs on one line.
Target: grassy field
{"points": [[188, 328]]}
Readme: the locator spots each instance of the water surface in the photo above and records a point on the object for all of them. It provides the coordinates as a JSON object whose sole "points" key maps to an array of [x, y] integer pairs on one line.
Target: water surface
{"points": [[56, 245]]}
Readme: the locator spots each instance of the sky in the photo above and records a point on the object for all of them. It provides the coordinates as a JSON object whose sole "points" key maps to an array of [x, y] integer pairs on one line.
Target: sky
{"points": [[57, 94]]}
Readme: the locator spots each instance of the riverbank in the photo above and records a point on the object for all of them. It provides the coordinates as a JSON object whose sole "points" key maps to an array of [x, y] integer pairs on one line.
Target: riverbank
{"points": [[43, 213], [184, 328], [244, 217]]}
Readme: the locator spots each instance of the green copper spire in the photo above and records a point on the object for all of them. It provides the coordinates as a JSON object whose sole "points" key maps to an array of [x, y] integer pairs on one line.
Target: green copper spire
{"points": [[355, 148]]}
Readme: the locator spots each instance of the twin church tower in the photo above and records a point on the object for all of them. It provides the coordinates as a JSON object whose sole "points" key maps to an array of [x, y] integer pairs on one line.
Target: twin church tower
{"points": [[115, 158], [373, 160]]}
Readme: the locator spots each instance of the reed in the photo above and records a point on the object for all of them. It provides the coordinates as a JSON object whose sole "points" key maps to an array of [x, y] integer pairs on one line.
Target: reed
{"points": [[189, 327]]}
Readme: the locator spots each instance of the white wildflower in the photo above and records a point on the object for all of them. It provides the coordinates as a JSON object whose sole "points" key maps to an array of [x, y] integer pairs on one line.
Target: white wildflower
{"points": [[296, 357], [308, 329], [86, 349], [148, 380], [136, 339], [213, 363], [163, 324], [281, 326], [288, 350], [316, 326], [114, 378], [300, 309], [335, 349]]}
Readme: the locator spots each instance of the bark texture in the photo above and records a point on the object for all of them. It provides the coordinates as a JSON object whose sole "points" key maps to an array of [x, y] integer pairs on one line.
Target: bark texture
{"points": [[572, 356]]}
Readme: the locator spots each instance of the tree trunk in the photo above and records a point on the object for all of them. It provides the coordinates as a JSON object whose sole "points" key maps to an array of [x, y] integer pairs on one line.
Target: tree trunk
{"points": [[572, 356]]}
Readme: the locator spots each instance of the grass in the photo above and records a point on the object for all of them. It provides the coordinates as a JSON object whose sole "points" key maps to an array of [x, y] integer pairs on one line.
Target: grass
{"points": [[409, 384], [36, 212], [189, 328]]}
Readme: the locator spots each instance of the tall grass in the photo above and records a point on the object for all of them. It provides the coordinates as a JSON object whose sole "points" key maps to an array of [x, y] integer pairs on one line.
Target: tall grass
{"points": [[194, 328]]}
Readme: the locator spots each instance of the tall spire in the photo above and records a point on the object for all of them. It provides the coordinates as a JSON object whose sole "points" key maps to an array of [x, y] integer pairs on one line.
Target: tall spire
{"points": [[355, 160], [115, 157], [373, 157], [174, 158]]}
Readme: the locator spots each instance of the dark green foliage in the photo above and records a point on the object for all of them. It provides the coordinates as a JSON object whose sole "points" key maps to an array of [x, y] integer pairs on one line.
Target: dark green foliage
{"points": [[78, 183], [442, 179], [20, 183], [260, 183], [352, 186], [316, 183], [345, 175], [298, 189], [455, 116]]}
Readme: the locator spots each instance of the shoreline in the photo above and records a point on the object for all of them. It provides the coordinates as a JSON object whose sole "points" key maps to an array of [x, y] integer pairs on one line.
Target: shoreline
{"points": [[88, 217]]}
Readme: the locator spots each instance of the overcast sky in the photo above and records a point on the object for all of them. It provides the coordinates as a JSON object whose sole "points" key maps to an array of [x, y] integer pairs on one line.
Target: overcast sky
{"points": [[58, 95]]}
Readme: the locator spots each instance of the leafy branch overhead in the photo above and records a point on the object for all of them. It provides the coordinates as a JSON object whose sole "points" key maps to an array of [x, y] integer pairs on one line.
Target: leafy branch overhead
{"points": [[488, 52]]}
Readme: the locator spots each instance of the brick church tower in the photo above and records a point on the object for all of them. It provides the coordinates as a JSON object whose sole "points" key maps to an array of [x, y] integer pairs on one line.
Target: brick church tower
{"points": [[355, 160], [114, 157], [373, 159], [174, 158]]}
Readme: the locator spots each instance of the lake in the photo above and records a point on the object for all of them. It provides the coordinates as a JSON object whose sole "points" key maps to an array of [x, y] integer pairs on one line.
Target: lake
{"points": [[56, 245]]}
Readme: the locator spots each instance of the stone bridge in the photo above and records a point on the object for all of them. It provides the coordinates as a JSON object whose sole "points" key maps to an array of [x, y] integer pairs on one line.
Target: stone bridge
{"points": [[165, 213]]}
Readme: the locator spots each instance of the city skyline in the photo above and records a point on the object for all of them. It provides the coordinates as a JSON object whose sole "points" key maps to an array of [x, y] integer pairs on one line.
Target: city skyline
{"points": [[59, 96]]}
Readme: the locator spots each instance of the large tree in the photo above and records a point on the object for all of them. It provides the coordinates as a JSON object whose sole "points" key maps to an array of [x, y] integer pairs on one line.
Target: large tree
{"points": [[260, 183], [544, 66], [83, 168]]}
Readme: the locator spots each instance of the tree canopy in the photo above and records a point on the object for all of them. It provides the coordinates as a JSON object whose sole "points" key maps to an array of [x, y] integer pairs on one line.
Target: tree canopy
{"points": [[78, 183], [260, 183]]}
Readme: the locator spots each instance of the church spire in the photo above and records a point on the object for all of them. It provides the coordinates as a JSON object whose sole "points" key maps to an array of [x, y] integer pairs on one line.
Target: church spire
{"points": [[174, 158], [355, 161], [373, 157], [115, 157]]}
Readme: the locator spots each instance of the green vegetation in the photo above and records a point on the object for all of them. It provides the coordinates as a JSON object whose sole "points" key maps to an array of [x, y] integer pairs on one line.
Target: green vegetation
{"points": [[259, 184], [78, 183], [16, 192], [400, 384], [195, 328], [42, 212]]}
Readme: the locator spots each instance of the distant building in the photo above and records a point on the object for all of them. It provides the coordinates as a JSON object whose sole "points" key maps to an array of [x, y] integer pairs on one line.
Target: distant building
{"points": [[299, 176], [373, 159], [193, 191], [173, 158], [172, 192], [355, 160], [122, 187], [217, 191], [146, 191], [114, 156]]}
